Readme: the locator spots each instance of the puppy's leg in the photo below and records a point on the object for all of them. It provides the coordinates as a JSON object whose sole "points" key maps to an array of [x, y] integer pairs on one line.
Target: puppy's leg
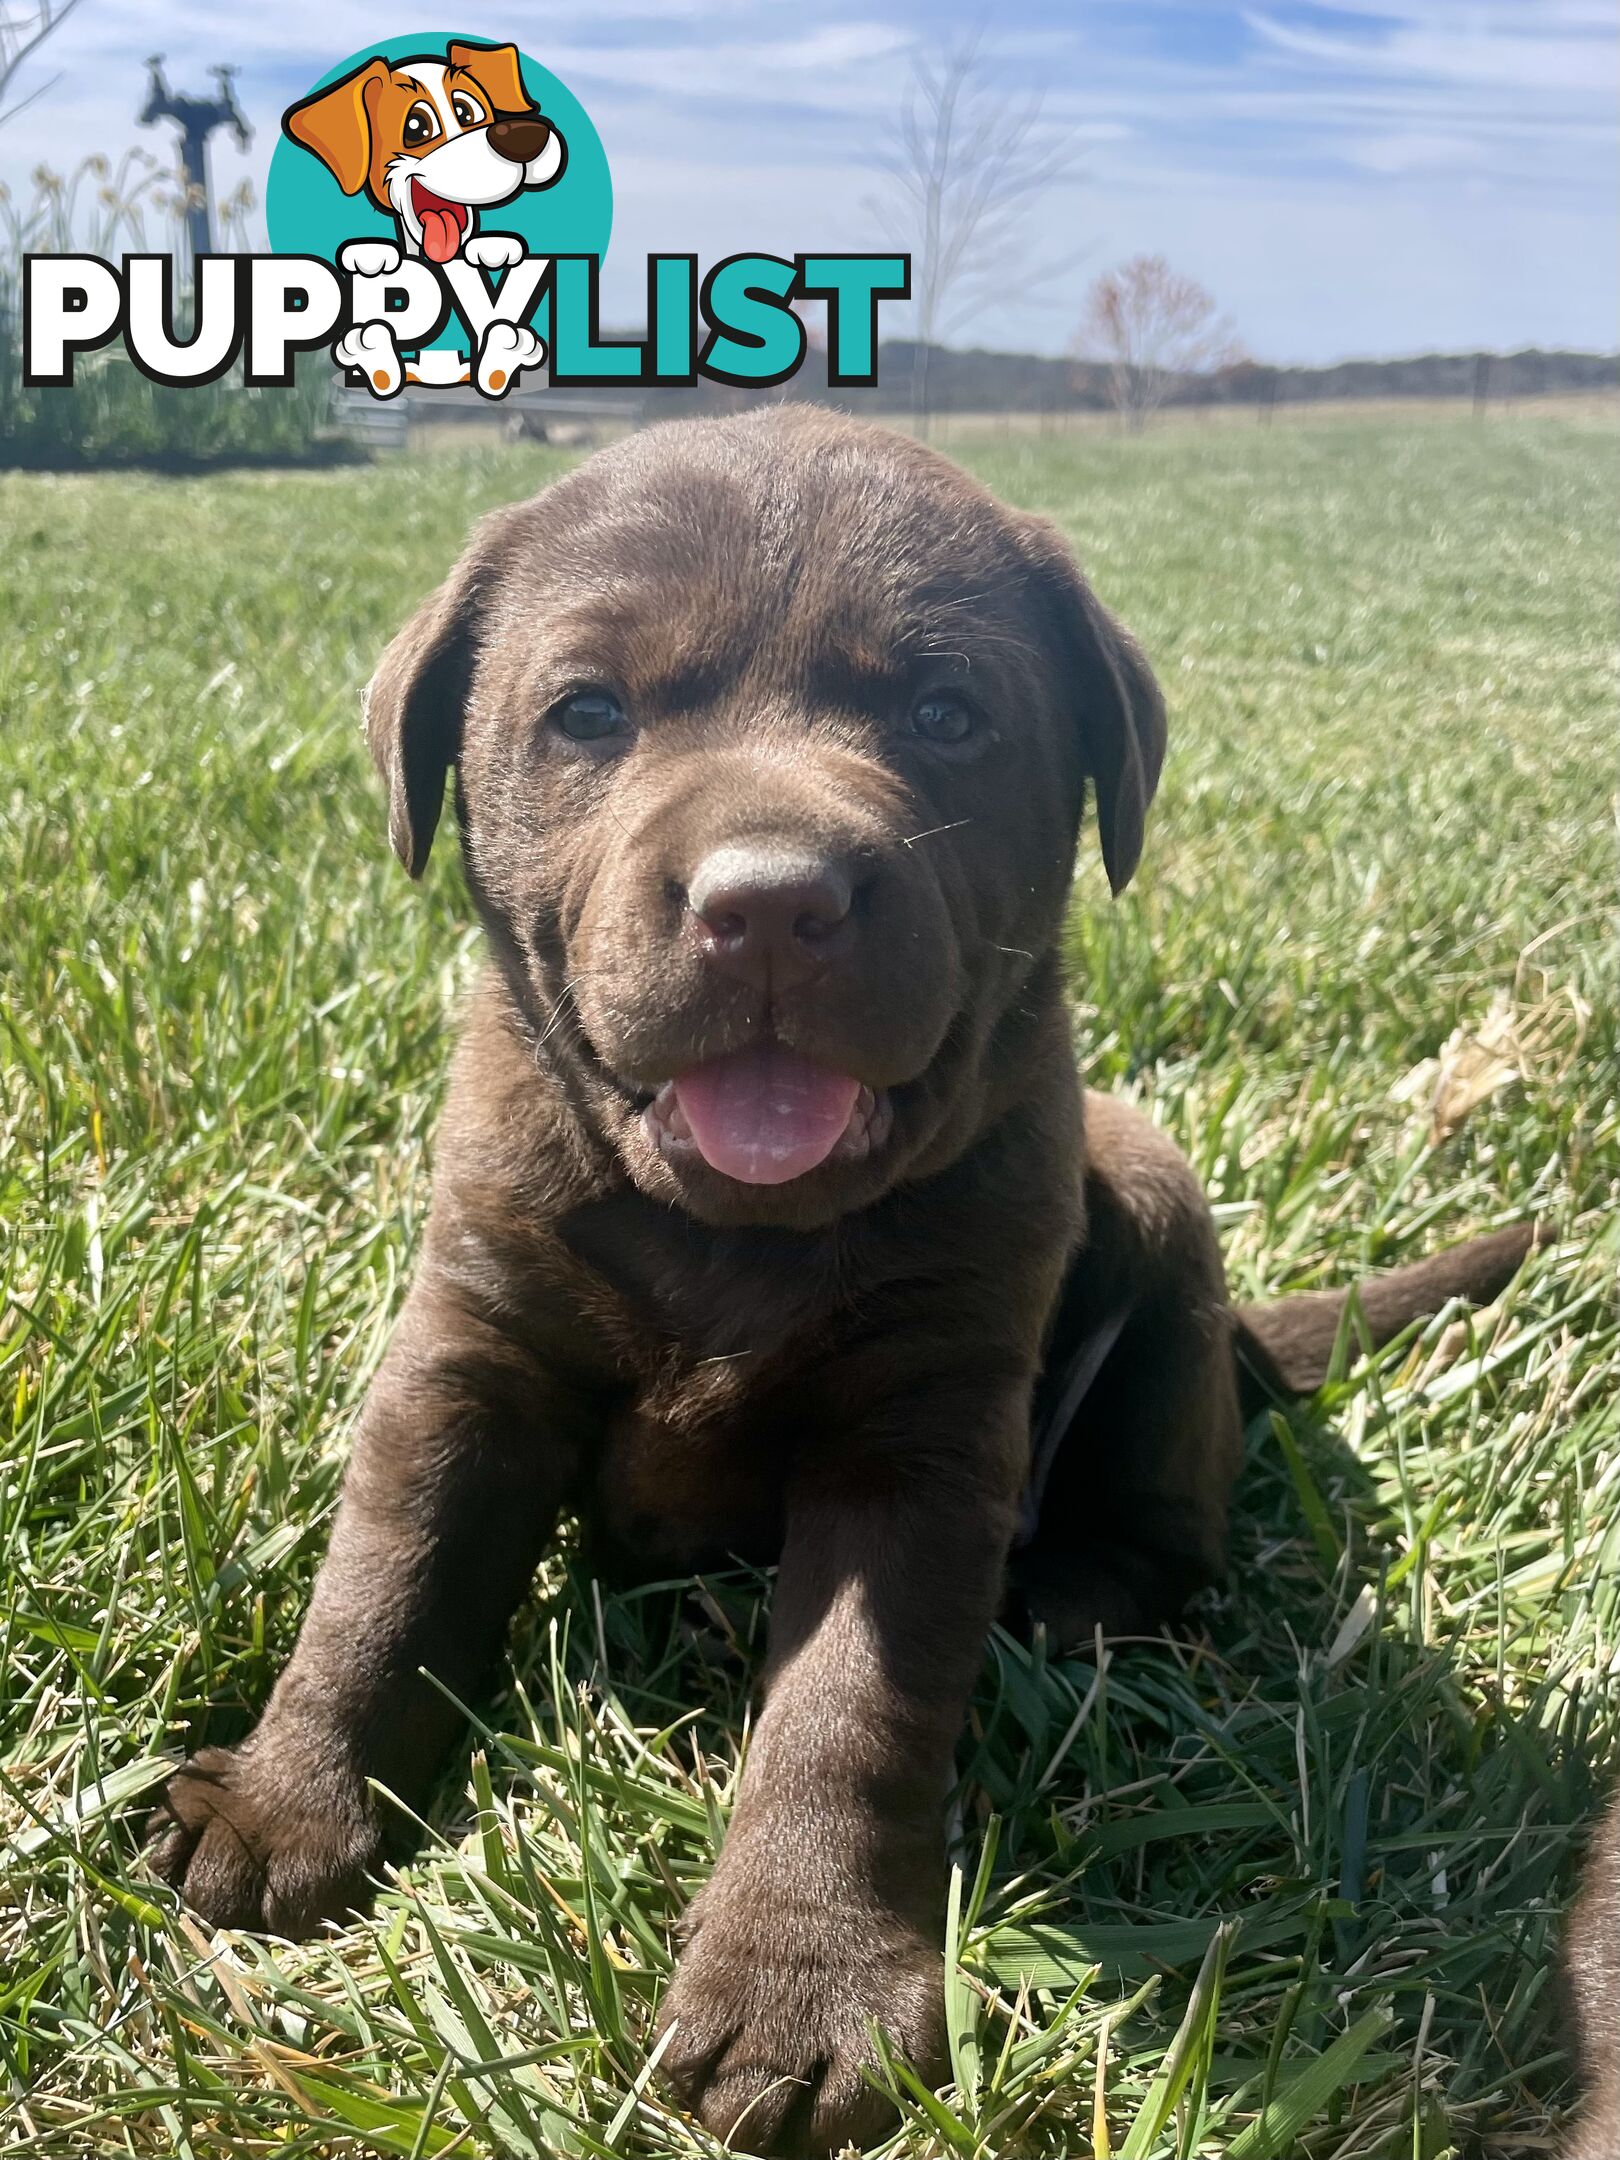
{"points": [[492, 250], [1133, 1516], [507, 349], [370, 348], [464, 1453], [370, 258], [823, 1911], [1592, 1977]]}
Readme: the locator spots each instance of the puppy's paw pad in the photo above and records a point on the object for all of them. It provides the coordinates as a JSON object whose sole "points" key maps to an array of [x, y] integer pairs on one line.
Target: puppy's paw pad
{"points": [[370, 348], [369, 258], [507, 349], [493, 251], [262, 1846], [772, 2023]]}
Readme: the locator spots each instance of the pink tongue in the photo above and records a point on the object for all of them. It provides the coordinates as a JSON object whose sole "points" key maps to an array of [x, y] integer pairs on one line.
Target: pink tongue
{"points": [[441, 230], [764, 1116]]}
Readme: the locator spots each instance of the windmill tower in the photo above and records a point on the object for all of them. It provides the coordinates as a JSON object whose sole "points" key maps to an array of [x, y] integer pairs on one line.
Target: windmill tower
{"points": [[197, 118]]}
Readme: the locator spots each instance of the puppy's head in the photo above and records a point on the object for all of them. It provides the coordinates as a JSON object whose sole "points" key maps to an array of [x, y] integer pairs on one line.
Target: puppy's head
{"points": [[432, 139], [771, 737]]}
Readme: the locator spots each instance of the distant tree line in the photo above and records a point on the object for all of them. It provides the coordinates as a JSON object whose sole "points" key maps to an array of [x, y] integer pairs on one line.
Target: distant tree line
{"points": [[978, 381]]}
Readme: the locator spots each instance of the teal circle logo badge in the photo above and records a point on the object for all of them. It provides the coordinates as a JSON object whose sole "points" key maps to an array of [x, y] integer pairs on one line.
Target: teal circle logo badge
{"points": [[442, 175]]}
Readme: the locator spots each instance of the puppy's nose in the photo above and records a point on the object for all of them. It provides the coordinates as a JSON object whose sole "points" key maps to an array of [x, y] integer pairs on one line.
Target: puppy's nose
{"points": [[519, 140], [769, 916]]}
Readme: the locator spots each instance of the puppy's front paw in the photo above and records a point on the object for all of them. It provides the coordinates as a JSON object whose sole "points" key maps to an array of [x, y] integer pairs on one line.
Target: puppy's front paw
{"points": [[493, 250], [370, 347], [773, 2004], [369, 258], [256, 1839], [507, 349], [1074, 1593]]}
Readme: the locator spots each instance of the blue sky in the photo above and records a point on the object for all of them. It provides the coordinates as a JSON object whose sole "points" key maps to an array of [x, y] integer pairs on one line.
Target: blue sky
{"points": [[1361, 177]]}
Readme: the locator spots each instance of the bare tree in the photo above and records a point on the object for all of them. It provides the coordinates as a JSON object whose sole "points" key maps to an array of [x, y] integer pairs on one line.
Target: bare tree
{"points": [[1148, 323], [23, 30], [972, 160]]}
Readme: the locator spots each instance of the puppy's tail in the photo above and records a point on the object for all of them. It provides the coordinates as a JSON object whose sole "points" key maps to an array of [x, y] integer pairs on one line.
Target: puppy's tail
{"points": [[1286, 1348]]}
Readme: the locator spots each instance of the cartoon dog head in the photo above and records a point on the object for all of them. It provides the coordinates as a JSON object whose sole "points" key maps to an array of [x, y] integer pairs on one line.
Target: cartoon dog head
{"points": [[432, 140]]}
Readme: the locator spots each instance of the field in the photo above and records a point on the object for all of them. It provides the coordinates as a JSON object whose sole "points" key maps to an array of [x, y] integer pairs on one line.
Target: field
{"points": [[1289, 1884]]}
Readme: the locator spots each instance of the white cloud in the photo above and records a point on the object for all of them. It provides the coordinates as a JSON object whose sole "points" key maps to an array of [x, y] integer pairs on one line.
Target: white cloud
{"points": [[1414, 152], [1508, 15], [1474, 49], [837, 69], [326, 30]]}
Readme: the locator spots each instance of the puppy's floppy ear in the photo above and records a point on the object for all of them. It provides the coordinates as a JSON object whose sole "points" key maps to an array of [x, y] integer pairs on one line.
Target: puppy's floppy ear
{"points": [[497, 69], [1116, 704], [413, 707], [336, 125]]}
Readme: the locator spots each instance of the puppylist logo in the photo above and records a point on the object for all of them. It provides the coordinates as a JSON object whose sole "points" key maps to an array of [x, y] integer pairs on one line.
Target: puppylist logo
{"points": [[438, 210]]}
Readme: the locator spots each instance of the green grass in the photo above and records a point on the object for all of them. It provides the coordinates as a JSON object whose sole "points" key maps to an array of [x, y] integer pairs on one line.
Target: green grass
{"points": [[1290, 1885]]}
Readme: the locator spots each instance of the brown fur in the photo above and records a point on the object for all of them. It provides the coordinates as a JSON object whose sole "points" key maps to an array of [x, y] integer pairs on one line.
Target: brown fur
{"points": [[835, 1373], [1592, 1960]]}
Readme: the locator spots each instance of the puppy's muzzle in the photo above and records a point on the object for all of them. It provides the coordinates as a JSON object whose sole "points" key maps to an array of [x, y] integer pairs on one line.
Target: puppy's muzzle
{"points": [[518, 140], [772, 917]]}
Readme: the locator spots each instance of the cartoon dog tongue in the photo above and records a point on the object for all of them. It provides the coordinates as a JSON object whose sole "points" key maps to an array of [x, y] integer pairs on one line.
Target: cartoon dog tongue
{"points": [[441, 230], [767, 1115]]}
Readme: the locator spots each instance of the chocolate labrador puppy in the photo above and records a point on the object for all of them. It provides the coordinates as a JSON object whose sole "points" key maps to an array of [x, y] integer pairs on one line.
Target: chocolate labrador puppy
{"points": [[765, 1195]]}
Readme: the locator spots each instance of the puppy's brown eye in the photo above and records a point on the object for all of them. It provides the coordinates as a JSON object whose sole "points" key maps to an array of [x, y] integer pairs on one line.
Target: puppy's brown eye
{"points": [[421, 125], [942, 719], [467, 113], [591, 716]]}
